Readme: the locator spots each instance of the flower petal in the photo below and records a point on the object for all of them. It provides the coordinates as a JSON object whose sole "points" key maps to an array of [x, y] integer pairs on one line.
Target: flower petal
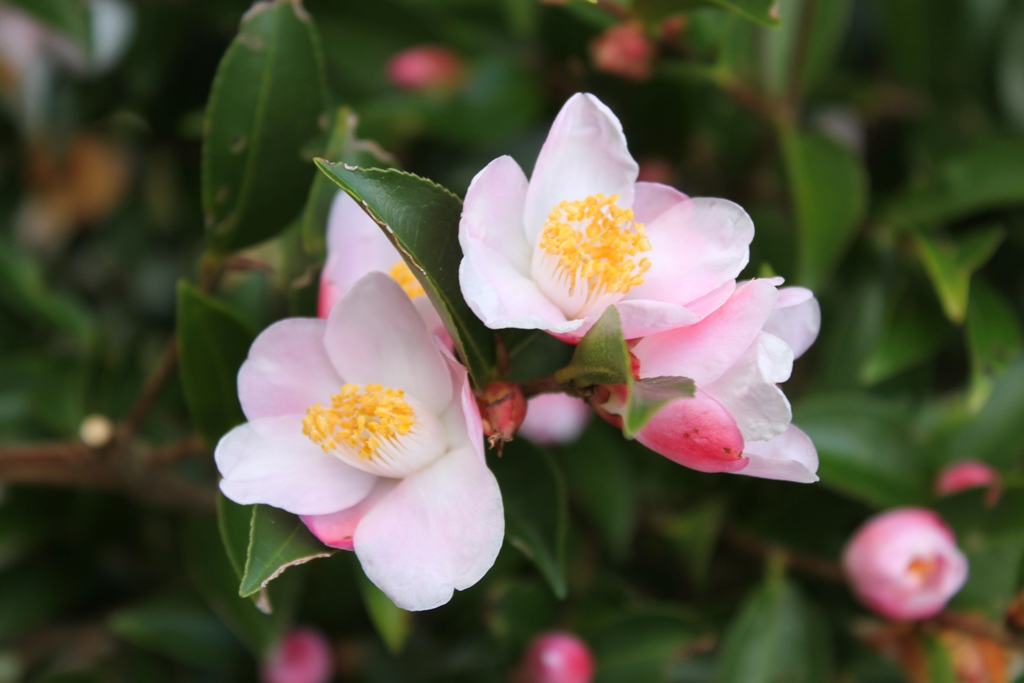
{"points": [[652, 200], [356, 244], [796, 318], [553, 419], [271, 461], [640, 318], [748, 391], [791, 456], [697, 246], [439, 530], [696, 432], [585, 153], [707, 349], [375, 335], [337, 529], [462, 418], [493, 213], [287, 370]]}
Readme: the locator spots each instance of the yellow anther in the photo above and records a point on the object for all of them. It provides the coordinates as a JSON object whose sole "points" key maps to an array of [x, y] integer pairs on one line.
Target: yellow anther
{"points": [[402, 275], [363, 418], [597, 242]]}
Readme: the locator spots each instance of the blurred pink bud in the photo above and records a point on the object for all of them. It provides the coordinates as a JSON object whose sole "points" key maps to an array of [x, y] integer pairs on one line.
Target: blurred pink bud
{"points": [[426, 67], [502, 408], [905, 564], [553, 419], [558, 657], [304, 656], [624, 50], [965, 474], [655, 170]]}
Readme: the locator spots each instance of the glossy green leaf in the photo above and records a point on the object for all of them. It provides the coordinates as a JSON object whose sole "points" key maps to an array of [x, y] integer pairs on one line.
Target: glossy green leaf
{"points": [[985, 177], [995, 434], [235, 523], [993, 331], [393, 623], [950, 265], [212, 344], [913, 332], [829, 190], [278, 540], [536, 514], [421, 219], [778, 637], [864, 448], [641, 646], [177, 625], [267, 98], [343, 145]]}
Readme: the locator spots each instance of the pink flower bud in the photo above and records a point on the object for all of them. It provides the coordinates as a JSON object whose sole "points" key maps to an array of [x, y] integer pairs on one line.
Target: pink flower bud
{"points": [[905, 564], [304, 656], [965, 474], [426, 67], [624, 50], [502, 409], [558, 657], [553, 419]]}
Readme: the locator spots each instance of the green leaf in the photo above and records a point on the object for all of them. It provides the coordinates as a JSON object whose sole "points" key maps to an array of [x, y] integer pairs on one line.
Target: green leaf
{"points": [[1010, 67], [950, 265], [32, 596], [829, 190], [995, 434], [938, 661], [987, 176], [764, 12], [694, 533], [177, 625], [864, 448], [278, 540], [343, 145], [914, 332], [421, 219], [393, 623], [778, 637], [641, 646], [533, 491], [267, 97], [648, 396], [212, 344], [235, 523], [993, 330]]}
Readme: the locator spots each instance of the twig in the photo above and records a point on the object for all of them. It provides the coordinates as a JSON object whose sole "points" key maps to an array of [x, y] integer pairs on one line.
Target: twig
{"points": [[799, 560], [150, 392]]}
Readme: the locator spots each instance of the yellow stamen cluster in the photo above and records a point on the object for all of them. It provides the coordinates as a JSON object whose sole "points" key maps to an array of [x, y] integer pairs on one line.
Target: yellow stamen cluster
{"points": [[401, 274], [597, 242], [362, 418]]}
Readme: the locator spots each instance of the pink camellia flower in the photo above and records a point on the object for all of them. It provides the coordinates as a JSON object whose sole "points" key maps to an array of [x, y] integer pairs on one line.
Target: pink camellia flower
{"points": [[624, 50], [965, 474], [426, 67], [738, 420], [557, 657], [366, 427], [905, 564], [554, 419], [357, 246], [303, 656], [553, 252]]}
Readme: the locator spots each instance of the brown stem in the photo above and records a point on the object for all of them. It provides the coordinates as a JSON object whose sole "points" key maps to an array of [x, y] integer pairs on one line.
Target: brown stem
{"points": [[799, 560], [150, 392], [544, 385]]}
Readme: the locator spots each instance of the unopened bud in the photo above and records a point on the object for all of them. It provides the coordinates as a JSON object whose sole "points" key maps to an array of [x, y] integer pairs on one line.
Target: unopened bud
{"points": [[426, 67], [558, 657], [502, 409], [624, 50], [965, 474], [303, 656]]}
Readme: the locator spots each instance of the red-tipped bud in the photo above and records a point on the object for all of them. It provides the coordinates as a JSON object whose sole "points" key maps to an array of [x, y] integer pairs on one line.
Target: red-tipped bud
{"points": [[624, 50], [426, 67], [965, 474], [558, 657], [502, 409], [303, 656]]}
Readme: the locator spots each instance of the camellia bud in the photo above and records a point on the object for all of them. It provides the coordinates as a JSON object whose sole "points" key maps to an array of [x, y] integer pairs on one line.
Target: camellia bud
{"points": [[303, 656], [965, 474], [905, 564], [426, 67], [624, 50], [557, 657], [502, 409]]}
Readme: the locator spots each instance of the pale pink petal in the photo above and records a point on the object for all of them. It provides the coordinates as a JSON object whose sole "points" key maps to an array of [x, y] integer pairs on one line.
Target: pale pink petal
{"points": [[492, 213], [585, 153], [652, 200], [697, 246], [640, 318], [329, 292], [355, 243], [271, 461], [462, 418], [439, 530], [796, 318], [501, 297], [374, 335], [791, 456], [287, 370], [337, 529], [553, 419], [698, 433], [710, 302], [707, 349], [748, 391]]}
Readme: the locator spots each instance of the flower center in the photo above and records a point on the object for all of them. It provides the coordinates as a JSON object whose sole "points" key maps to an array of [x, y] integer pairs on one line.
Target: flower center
{"points": [[362, 418], [401, 274], [596, 243], [925, 570]]}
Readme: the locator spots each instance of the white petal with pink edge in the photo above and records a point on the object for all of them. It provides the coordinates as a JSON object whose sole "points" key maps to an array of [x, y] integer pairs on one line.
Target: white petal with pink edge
{"points": [[791, 456], [337, 529], [796, 318]]}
